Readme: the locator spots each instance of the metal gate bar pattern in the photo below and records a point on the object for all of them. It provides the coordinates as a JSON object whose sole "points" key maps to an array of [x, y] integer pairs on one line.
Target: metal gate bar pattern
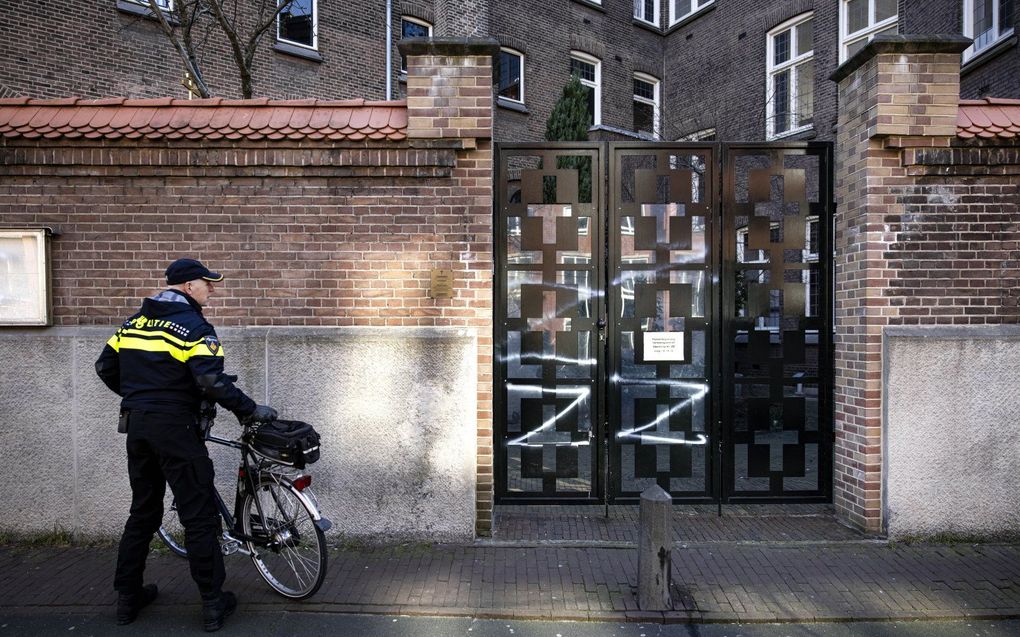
{"points": [[661, 202], [675, 332], [552, 266], [777, 314]]}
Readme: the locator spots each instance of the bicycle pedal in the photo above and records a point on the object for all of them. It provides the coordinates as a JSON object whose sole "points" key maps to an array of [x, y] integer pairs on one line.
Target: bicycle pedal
{"points": [[229, 546]]}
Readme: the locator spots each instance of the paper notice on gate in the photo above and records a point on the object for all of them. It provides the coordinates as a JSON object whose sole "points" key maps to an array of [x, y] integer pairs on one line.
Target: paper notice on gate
{"points": [[664, 346]]}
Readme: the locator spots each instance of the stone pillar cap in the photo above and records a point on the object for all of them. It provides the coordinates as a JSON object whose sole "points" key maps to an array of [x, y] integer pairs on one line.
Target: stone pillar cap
{"points": [[449, 46], [950, 43]]}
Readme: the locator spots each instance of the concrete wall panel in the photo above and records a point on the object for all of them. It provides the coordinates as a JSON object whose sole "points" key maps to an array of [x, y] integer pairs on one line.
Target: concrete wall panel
{"points": [[103, 491], [37, 437], [396, 411], [396, 408], [952, 431]]}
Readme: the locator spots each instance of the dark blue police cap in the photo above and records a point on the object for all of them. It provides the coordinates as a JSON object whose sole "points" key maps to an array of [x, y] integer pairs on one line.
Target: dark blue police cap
{"points": [[184, 270]]}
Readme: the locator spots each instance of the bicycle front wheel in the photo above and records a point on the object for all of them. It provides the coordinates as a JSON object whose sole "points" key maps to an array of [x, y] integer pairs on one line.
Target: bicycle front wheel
{"points": [[171, 531], [288, 549]]}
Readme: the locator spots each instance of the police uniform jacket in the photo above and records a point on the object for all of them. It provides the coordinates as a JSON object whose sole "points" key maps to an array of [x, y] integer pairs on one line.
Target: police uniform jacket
{"points": [[167, 358]]}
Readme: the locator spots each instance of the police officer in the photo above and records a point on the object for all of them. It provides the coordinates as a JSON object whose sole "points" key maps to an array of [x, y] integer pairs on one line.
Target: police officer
{"points": [[163, 362]]}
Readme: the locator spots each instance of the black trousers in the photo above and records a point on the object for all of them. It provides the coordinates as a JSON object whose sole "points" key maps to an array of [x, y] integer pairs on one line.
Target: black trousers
{"points": [[165, 448]]}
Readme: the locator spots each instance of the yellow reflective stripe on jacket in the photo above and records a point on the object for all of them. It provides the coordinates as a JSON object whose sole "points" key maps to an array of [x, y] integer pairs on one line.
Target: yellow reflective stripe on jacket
{"points": [[197, 348], [114, 342], [167, 335]]}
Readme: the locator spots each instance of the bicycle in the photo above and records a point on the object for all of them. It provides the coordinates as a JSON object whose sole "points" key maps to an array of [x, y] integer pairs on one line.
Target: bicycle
{"points": [[276, 519]]}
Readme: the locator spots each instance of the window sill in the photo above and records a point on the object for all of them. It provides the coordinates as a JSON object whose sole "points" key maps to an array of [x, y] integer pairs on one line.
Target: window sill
{"points": [[810, 128], [986, 54], [511, 105], [297, 51], [143, 11], [621, 131], [591, 5], [690, 17], [648, 26]]}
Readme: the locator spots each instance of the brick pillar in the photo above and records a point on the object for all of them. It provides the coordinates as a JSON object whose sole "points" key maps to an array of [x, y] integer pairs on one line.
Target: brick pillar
{"points": [[898, 91], [449, 102], [449, 87]]}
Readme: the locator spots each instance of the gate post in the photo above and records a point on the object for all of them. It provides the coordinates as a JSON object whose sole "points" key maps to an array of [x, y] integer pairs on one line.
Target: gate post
{"points": [[898, 91], [655, 557], [449, 109]]}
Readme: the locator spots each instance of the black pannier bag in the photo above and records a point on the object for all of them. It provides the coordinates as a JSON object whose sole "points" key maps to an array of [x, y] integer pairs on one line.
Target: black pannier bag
{"points": [[289, 442]]}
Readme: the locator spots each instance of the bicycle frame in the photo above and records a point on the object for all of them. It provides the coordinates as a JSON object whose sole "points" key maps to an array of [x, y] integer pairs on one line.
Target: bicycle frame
{"points": [[246, 483]]}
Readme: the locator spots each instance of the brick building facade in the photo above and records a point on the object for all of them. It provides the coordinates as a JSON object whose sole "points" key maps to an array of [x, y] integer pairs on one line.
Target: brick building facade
{"points": [[710, 64]]}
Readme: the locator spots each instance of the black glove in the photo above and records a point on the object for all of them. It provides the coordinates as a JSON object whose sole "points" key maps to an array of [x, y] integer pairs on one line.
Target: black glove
{"points": [[262, 413]]}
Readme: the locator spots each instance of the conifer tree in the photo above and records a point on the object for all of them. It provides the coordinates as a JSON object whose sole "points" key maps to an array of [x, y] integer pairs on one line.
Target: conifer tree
{"points": [[569, 122]]}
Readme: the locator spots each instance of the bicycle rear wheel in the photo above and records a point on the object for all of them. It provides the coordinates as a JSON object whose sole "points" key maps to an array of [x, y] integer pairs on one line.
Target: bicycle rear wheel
{"points": [[290, 550], [171, 531]]}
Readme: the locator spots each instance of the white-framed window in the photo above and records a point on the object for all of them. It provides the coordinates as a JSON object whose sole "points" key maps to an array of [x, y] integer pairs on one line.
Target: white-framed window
{"points": [[646, 104], [297, 24], [510, 83], [647, 11], [789, 77], [680, 9], [24, 277], [165, 5], [412, 28], [861, 20], [987, 22], [589, 70]]}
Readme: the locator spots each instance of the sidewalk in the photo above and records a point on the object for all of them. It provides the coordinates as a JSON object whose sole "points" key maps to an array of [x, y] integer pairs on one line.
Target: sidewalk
{"points": [[550, 564]]}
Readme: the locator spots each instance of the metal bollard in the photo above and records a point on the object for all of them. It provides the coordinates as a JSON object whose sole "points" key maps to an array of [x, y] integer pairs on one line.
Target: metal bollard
{"points": [[655, 557]]}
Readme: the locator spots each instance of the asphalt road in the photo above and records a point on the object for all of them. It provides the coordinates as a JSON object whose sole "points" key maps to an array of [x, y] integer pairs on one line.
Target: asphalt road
{"points": [[285, 624]]}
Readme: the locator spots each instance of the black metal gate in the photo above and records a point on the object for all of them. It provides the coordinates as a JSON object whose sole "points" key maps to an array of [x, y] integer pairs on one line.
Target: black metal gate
{"points": [[663, 317]]}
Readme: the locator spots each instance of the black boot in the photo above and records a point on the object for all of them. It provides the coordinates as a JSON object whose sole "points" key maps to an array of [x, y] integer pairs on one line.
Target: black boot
{"points": [[130, 604], [216, 609]]}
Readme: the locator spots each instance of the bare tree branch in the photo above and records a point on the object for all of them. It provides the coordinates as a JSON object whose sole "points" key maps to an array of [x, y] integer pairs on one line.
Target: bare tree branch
{"points": [[188, 30], [184, 49], [244, 55]]}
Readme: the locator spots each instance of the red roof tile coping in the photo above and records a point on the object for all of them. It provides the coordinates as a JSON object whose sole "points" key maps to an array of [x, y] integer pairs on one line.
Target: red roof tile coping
{"points": [[988, 118], [213, 118]]}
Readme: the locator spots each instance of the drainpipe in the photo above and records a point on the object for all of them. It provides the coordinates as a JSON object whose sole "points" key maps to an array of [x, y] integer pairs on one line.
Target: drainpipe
{"points": [[389, 50]]}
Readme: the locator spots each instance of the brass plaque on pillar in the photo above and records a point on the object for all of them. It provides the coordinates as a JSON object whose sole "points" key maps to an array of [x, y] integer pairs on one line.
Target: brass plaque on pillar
{"points": [[442, 284]]}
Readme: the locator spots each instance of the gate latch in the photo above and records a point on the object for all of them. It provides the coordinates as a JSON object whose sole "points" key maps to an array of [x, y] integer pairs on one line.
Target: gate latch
{"points": [[601, 324]]}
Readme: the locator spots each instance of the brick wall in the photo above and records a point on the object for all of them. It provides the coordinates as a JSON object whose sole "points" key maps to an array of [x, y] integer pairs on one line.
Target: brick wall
{"points": [[307, 233], [921, 237], [930, 17], [307, 236]]}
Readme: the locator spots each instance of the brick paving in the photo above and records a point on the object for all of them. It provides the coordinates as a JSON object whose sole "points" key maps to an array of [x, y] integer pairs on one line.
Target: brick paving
{"points": [[700, 523], [732, 579]]}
